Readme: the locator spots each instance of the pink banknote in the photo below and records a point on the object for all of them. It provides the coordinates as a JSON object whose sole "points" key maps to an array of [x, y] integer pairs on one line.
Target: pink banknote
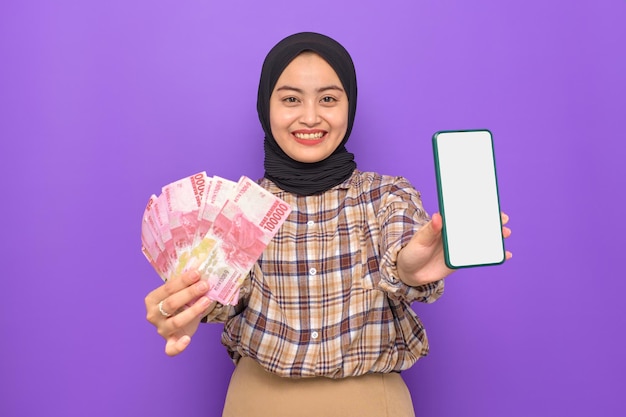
{"points": [[184, 199], [161, 220], [244, 226], [212, 225], [203, 224], [216, 196], [152, 246]]}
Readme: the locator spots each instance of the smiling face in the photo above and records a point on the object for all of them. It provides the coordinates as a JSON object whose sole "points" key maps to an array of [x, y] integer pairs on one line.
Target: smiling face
{"points": [[308, 109]]}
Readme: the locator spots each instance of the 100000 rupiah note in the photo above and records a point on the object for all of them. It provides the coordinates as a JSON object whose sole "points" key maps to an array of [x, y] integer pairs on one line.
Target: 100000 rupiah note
{"points": [[212, 225]]}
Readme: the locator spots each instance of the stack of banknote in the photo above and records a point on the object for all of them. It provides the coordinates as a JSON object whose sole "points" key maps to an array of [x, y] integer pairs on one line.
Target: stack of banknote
{"points": [[210, 224]]}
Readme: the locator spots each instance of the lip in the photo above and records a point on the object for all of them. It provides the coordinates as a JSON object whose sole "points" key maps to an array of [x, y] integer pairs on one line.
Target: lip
{"points": [[309, 142]]}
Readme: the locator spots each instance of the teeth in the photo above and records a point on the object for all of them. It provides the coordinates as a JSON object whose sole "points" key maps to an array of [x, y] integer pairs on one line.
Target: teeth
{"points": [[309, 135]]}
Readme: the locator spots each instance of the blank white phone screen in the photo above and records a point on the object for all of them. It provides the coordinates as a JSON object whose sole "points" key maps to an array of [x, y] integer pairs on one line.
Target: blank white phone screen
{"points": [[468, 198]]}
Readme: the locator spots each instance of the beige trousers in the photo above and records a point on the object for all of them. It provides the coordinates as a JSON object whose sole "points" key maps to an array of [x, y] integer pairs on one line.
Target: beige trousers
{"points": [[254, 392]]}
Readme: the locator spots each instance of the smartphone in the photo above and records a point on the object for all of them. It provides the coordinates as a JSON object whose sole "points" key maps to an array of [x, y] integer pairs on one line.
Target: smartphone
{"points": [[469, 204]]}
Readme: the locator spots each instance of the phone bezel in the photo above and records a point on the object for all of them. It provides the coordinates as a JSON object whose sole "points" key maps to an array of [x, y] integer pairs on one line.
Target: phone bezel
{"points": [[442, 208]]}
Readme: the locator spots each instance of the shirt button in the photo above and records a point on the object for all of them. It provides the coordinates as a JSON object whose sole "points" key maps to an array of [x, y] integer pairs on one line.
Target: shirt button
{"points": [[310, 223], [312, 271], [315, 335]]}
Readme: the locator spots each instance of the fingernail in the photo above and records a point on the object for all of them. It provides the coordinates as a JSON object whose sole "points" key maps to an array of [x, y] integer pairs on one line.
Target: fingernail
{"points": [[202, 286]]}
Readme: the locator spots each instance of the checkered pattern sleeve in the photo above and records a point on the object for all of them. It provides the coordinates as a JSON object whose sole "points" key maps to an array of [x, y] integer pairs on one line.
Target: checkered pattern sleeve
{"points": [[401, 214]]}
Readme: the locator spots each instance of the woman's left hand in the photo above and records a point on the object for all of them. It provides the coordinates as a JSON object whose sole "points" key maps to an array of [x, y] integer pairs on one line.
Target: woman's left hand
{"points": [[422, 260]]}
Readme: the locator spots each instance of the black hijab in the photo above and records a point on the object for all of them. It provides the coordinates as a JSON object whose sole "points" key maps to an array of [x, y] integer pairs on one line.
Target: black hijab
{"points": [[290, 175]]}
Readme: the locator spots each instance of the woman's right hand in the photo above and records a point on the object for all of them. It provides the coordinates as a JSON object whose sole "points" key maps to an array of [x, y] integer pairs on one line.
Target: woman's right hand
{"points": [[176, 309]]}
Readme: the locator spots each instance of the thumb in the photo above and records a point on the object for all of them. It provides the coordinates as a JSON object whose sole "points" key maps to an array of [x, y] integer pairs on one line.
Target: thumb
{"points": [[430, 233], [174, 345]]}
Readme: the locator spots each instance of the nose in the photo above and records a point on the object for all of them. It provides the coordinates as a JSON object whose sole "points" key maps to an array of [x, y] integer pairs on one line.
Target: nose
{"points": [[310, 114]]}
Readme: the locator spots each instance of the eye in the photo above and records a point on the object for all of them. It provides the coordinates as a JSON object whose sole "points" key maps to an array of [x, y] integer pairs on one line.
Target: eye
{"points": [[328, 100], [290, 100]]}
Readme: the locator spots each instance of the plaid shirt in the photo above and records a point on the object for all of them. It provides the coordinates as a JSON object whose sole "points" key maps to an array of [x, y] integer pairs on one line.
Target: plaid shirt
{"points": [[325, 298]]}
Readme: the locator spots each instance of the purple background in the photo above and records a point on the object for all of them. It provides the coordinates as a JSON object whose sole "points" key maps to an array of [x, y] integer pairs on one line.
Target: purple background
{"points": [[102, 103]]}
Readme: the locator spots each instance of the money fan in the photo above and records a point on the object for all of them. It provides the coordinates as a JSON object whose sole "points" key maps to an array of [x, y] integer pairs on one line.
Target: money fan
{"points": [[213, 225]]}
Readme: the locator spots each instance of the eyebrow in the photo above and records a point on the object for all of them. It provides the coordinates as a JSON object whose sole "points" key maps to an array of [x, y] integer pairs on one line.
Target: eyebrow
{"points": [[319, 90]]}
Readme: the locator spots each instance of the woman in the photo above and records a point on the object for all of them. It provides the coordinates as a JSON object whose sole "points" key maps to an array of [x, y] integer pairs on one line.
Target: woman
{"points": [[324, 324]]}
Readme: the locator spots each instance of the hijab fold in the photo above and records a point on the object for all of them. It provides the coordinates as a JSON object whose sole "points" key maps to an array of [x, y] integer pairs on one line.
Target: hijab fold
{"points": [[291, 175]]}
